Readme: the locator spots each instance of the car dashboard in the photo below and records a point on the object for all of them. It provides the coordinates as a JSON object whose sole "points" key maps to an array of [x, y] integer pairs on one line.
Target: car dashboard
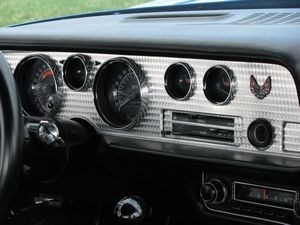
{"points": [[219, 89], [197, 117]]}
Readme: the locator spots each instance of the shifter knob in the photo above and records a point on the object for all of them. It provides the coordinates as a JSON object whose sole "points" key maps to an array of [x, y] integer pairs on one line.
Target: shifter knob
{"points": [[131, 210], [213, 191]]}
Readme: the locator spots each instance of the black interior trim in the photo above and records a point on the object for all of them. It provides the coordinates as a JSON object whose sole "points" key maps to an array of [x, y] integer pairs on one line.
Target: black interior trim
{"points": [[205, 155], [11, 140]]}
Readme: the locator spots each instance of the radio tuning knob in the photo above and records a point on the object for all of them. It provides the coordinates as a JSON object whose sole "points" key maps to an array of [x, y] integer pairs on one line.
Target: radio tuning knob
{"points": [[214, 191]]}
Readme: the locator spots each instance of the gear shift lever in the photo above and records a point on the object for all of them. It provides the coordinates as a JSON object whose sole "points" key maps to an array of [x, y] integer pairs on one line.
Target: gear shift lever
{"points": [[131, 210]]}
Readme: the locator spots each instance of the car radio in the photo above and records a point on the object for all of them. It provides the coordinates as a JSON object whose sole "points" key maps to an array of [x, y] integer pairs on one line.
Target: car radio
{"points": [[261, 195], [234, 196], [201, 127]]}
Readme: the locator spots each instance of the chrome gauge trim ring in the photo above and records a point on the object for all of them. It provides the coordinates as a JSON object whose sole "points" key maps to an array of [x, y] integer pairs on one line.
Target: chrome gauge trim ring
{"points": [[88, 65], [231, 78], [100, 92], [191, 75]]}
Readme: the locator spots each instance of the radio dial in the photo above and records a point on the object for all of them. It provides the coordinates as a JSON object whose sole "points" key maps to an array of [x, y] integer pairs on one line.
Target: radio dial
{"points": [[213, 191]]}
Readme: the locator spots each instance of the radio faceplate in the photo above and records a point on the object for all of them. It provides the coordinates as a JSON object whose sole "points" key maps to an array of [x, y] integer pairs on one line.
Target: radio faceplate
{"points": [[253, 201], [264, 195], [201, 127]]}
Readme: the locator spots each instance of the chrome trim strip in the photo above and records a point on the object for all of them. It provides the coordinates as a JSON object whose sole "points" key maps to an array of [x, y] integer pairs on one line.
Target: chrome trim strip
{"points": [[202, 125]]}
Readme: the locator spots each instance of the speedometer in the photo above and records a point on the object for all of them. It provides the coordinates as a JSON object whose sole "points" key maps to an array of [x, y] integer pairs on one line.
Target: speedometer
{"points": [[118, 93], [40, 85], [127, 99]]}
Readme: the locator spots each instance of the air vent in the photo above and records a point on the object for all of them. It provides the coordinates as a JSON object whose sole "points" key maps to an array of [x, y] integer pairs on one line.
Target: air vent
{"points": [[270, 18], [200, 127], [178, 17]]}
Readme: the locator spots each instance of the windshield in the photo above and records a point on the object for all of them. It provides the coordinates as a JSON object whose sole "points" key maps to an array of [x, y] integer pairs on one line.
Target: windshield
{"points": [[20, 11]]}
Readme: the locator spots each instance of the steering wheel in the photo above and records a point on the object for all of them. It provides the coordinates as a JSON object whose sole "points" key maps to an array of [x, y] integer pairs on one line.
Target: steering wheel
{"points": [[11, 138]]}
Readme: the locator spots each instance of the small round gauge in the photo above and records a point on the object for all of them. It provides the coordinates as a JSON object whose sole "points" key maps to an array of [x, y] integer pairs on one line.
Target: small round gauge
{"points": [[76, 70], [117, 93], [218, 85], [39, 83], [179, 81]]}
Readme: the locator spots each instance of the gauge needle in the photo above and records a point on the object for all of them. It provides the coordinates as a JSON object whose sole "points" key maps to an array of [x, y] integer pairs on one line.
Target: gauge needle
{"points": [[123, 103], [128, 99], [225, 92]]}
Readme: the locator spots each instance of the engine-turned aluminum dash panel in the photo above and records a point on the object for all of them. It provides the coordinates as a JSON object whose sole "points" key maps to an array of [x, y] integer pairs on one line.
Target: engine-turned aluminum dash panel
{"points": [[279, 106]]}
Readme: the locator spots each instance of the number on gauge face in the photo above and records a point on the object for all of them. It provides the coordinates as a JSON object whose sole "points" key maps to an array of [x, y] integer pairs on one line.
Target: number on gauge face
{"points": [[127, 99], [117, 92], [39, 84]]}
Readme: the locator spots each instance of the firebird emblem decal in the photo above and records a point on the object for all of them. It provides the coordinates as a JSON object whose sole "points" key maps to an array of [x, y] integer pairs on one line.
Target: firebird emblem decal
{"points": [[260, 91]]}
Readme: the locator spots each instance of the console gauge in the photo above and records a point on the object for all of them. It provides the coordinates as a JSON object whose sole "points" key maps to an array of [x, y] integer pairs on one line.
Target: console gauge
{"points": [[118, 93], [76, 71], [179, 81], [40, 85], [218, 85]]}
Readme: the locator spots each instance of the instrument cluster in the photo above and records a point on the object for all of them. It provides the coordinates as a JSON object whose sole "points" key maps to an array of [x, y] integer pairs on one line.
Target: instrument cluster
{"points": [[120, 86]]}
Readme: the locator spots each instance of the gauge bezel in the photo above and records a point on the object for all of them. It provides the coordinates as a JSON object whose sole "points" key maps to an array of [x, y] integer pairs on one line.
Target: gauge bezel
{"points": [[100, 99], [87, 63], [191, 75], [27, 108], [231, 78]]}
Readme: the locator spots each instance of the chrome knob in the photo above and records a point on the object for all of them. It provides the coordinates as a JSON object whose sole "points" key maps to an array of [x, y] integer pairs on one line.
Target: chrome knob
{"points": [[48, 133], [131, 209], [214, 191]]}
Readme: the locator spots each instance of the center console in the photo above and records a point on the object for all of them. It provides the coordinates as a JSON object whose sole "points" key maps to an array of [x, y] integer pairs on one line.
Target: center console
{"points": [[241, 197]]}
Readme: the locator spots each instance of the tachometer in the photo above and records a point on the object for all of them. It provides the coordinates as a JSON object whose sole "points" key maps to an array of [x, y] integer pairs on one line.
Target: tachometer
{"points": [[40, 85], [118, 93]]}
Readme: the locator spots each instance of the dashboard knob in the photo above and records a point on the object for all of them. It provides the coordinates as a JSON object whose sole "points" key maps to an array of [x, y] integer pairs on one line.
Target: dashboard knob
{"points": [[131, 210], [48, 133], [214, 191]]}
